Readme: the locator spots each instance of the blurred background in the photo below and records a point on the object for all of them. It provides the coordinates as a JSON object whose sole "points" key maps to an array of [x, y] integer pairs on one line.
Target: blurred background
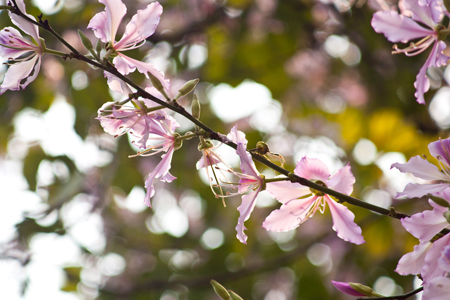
{"points": [[308, 77]]}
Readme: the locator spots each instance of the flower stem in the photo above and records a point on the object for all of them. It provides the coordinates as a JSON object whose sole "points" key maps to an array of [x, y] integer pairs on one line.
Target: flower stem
{"points": [[398, 297]]}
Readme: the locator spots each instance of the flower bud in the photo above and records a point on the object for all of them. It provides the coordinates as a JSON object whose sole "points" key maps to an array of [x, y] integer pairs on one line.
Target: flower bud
{"points": [[187, 88], [439, 201], [262, 148], [234, 296], [87, 43], [158, 85], [220, 290], [355, 289], [195, 107]]}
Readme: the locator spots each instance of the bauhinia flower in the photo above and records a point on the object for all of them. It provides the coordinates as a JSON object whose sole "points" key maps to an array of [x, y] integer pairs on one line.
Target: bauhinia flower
{"points": [[428, 258], [301, 202], [421, 168], [164, 141], [251, 183], [142, 25], [23, 55], [398, 28], [138, 117]]}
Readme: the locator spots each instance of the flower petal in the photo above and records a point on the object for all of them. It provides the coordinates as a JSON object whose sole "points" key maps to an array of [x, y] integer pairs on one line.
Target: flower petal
{"points": [[342, 181], [421, 12], [28, 27], [237, 136], [312, 168], [290, 215], [285, 191], [99, 25], [412, 263], [441, 151], [21, 74], [115, 10], [142, 25], [437, 289], [117, 85], [421, 168], [414, 190], [444, 260], [425, 225], [245, 209], [398, 28], [343, 222], [431, 268]]}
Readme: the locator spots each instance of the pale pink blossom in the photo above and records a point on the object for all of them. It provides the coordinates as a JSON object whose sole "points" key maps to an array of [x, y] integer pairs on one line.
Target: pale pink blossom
{"points": [[301, 202], [421, 168], [398, 28], [251, 182], [142, 25], [24, 56]]}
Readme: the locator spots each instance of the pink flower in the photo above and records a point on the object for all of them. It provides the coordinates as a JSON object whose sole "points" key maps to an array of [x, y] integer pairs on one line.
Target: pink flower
{"points": [[398, 28], [138, 117], [13, 47], [250, 182], [421, 168], [301, 202], [429, 258], [142, 25], [165, 142]]}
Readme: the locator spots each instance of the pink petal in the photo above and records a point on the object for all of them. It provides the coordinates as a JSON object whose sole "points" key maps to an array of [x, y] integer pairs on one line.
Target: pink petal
{"points": [[421, 12], [21, 74], [247, 164], [209, 159], [100, 27], [28, 27], [117, 85], [421, 168], [413, 262], [398, 28], [162, 169], [431, 268], [345, 288], [312, 168], [414, 190], [237, 136], [245, 209], [290, 215], [125, 65], [425, 225], [441, 151], [142, 25], [343, 223], [444, 260], [437, 289], [10, 34], [342, 181], [285, 191], [115, 10]]}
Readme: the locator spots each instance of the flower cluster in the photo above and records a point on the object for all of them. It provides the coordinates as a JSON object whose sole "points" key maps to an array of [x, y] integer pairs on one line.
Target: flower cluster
{"points": [[399, 28]]}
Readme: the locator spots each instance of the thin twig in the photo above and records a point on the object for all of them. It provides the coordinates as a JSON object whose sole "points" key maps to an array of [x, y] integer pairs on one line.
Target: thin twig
{"points": [[397, 297]]}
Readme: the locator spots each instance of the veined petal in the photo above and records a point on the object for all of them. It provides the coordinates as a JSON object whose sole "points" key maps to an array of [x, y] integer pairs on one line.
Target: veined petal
{"points": [[342, 181], [245, 209], [431, 268], [412, 263], [426, 225], [237, 136], [398, 28], [290, 215], [441, 59], [161, 169], [441, 151], [421, 168], [142, 25], [285, 191], [9, 36], [312, 168], [21, 74], [421, 12], [422, 84], [414, 190], [444, 260], [100, 27], [125, 65], [115, 10], [437, 289], [28, 27], [117, 85], [343, 222]]}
